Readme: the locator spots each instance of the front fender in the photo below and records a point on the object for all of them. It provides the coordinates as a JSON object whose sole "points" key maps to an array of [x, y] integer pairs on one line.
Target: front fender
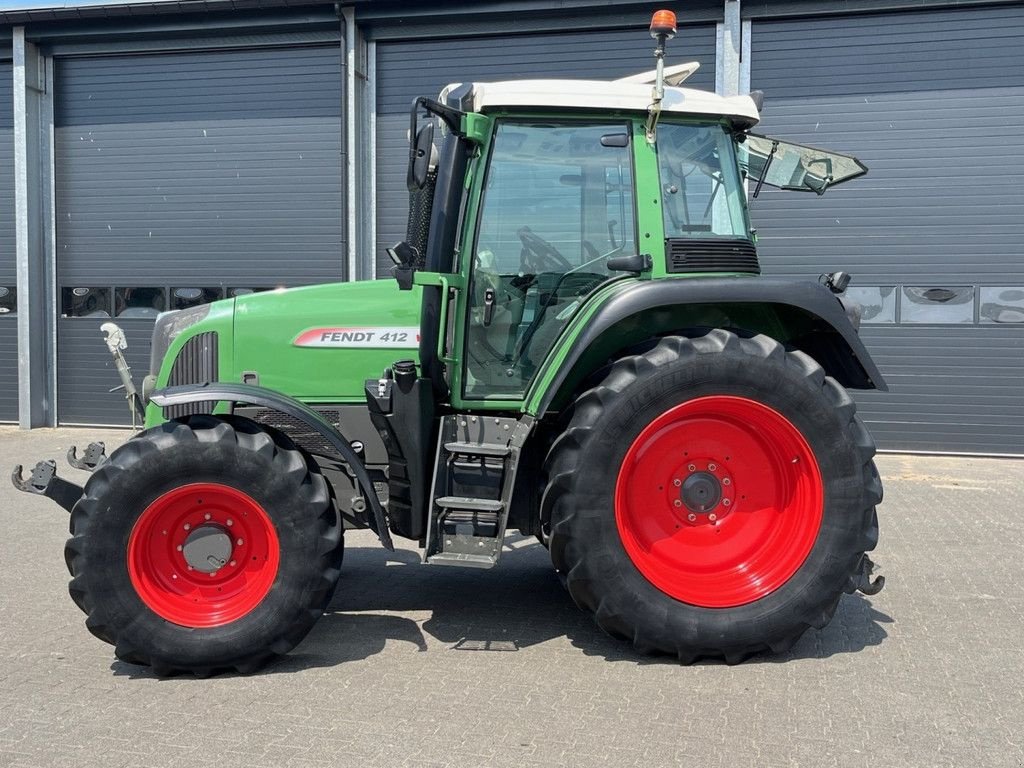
{"points": [[803, 314], [268, 398]]}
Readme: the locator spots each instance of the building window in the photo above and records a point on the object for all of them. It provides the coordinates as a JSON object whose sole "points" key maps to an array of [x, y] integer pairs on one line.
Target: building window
{"points": [[1002, 304], [85, 302], [942, 306], [142, 302], [8, 301]]}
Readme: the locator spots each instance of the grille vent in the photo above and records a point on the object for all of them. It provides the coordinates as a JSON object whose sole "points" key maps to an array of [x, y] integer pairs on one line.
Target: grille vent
{"points": [[711, 255], [196, 363], [300, 433]]}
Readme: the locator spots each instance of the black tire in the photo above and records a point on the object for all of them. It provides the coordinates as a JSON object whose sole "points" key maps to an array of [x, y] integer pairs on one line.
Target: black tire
{"points": [[579, 503], [230, 452]]}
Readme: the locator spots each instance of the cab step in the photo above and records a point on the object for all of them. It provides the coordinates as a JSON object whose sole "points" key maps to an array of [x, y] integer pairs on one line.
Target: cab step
{"points": [[474, 476]]}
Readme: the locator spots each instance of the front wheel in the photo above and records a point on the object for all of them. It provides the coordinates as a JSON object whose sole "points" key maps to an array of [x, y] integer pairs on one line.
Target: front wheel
{"points": [[740, 502], [203, 545]]}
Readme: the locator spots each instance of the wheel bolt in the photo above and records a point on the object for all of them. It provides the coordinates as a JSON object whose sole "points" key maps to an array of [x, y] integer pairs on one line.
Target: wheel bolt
{"points": [[180, 548], [725, 481], [232, 562], [207, 515], [240, 542], [174, 575], [712, 517], [678, 503], [188, 527], [230, 522], [712, 467], [726, 502], [691, 517], [677, 482], [692, 467], [191, 568]]}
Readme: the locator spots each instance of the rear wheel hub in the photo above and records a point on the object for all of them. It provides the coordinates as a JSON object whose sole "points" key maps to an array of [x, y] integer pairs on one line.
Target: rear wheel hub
{"points": [[701, 492], [719, 501]]}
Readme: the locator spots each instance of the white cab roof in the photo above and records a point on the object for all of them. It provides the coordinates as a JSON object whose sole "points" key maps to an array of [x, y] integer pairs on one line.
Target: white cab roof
{"points": [[607, 95]]}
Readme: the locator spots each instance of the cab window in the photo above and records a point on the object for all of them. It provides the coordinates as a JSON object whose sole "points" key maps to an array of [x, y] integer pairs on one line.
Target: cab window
{"points": [[558, 203]]}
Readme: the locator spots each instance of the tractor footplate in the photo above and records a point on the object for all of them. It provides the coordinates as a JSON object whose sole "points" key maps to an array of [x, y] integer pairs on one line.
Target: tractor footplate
{"points": [[95, 454], [473, 483], [44, 482]]}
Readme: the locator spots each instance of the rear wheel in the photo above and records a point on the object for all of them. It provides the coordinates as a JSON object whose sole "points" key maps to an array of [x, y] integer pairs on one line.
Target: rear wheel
{"points": [[740, 505], [203, 545]]}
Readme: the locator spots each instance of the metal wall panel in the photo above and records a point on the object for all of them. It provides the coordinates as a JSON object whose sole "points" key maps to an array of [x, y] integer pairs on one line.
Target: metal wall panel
{"points": [[409, 69], [207, 169], [8, 275], [927, 100]]}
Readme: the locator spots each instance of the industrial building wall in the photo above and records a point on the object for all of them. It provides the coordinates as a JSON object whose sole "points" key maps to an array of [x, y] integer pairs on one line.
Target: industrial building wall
{"points": [[8, 277], [182, 178], [929, 101], [409, 69]]}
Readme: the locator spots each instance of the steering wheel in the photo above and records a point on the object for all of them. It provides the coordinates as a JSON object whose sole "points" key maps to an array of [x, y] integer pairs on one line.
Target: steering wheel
{"points": [[537, 252]]}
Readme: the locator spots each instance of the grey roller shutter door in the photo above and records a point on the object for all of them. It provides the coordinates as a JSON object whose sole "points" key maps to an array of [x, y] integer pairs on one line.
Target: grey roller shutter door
{"points": [[8, 276], [932, 102], [409, 69], [214, 169]]}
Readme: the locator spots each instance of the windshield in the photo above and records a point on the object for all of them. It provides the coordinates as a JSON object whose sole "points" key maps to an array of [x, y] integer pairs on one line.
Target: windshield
{"points": [[557, 204], [701, 190]]}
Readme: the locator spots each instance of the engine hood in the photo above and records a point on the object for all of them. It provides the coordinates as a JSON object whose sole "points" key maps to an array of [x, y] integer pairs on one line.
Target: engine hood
{"points": [[320, 343]]}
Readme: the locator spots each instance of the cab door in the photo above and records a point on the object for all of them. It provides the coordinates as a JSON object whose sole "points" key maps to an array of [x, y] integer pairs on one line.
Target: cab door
{"points": [[557, 202]]}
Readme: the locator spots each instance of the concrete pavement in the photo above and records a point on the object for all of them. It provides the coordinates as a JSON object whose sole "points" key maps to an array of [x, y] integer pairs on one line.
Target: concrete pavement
{"points": [[421, 666]]}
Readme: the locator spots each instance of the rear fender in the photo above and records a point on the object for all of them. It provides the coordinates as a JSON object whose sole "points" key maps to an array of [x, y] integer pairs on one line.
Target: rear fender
{"points": [[802, 314]]}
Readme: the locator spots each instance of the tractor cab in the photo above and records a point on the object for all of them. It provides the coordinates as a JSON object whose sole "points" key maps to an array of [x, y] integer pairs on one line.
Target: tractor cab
{"points": [[525, 202]]}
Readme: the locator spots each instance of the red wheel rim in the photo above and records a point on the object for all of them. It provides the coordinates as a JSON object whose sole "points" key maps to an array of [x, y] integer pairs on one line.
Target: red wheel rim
{"points": [[167, 544], [719, 501]]}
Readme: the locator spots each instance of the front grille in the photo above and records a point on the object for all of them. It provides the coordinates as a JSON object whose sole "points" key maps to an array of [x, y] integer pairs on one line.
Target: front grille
{"points": [[299, 431], [710, 255], [196, 363]]}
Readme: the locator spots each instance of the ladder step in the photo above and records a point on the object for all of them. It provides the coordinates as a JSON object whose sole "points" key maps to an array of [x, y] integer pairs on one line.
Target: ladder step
{"points": [[463, 560], [477, 449], [464, 502]]}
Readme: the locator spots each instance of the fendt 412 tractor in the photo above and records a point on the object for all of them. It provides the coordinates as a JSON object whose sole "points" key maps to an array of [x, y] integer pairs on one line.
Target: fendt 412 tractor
{"points": [[577, 345]]}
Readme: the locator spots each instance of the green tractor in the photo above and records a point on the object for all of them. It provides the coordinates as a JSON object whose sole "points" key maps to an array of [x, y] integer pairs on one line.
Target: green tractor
{"points": [[577, 345]]}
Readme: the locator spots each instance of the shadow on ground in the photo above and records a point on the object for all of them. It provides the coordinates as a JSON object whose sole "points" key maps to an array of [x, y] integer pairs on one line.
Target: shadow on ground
{"points": [[518, 604]]}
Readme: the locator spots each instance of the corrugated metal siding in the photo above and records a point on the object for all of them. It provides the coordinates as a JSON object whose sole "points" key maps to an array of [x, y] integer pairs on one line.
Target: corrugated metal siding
{"points": [[928, 100], [200, 166], [86, 373], [8, 275], [406, 70], [206, 169]]}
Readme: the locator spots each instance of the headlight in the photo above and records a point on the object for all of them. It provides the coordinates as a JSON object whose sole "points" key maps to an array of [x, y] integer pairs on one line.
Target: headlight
{"points": [[169, 326]]}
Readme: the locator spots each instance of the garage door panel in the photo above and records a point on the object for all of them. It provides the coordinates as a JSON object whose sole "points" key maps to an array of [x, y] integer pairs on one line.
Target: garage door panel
{"points": [[924, 99], [86, 373], [887, 53], [212, 169], [409, 69]]}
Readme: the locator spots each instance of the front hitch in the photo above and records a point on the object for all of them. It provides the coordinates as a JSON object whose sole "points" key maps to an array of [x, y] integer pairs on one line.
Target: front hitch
{"points": [[95, 454], [44, 482]]}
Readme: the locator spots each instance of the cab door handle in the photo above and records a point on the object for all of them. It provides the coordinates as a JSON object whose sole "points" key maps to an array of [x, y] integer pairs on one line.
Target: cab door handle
{"points": [[488, 306]]}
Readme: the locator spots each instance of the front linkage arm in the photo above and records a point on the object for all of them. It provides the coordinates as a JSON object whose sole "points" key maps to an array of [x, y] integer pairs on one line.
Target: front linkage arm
{"points": [[44, 482]]}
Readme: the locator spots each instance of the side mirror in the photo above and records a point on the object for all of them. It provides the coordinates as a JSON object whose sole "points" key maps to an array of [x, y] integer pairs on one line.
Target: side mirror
{"points": [[420, 155]]}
